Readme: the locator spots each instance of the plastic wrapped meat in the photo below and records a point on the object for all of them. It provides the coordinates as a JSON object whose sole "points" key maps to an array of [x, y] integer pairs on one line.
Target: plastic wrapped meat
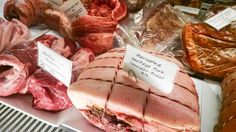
{"points": [[114, 101], [209, 52], [227, 118], [157, 26]]}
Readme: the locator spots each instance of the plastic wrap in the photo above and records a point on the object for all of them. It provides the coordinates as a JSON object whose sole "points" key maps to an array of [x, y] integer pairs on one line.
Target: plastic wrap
{"points": [[190, 3], [156, 26]]}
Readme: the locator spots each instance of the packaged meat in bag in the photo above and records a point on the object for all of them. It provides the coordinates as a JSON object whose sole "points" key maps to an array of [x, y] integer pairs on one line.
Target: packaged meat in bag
{"points": [[156, 26], [114, 101], [209, 52], [227, 118]]}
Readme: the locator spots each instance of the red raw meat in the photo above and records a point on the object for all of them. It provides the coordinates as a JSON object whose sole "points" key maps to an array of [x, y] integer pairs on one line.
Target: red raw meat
{"points": [[49, 93], [16, 66], [12, 33], [19, 62], [103, 17]]}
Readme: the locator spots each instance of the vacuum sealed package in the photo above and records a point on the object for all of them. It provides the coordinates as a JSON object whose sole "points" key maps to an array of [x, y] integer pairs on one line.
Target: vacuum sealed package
{"points": [[210, 46], [157, 26]]}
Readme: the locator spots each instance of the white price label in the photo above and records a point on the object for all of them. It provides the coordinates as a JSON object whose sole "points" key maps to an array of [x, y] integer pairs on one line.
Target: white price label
{"points": [[73, 9], [55, 64], [157, 72], [222, 19], [186, 9], [56, 2]]}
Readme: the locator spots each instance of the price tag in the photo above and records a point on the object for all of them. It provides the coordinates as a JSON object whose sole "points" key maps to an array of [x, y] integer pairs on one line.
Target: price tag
{"points": [[56, 2], [73, 9], [157, 72], [186, 9], [222, 19], [57, 65]]}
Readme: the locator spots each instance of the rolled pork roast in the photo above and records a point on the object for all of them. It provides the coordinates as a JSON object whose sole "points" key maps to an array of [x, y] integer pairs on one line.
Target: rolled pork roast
{"points": [[112, 100]]}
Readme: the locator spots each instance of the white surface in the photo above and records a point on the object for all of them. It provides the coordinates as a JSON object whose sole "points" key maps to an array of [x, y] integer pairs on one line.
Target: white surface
{"points": [[209, 93], [23, 103], [75, 121]]}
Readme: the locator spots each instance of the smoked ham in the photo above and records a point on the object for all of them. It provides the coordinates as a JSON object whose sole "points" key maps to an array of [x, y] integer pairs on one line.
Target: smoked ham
{"points": [[209, 52], [114, 101]]}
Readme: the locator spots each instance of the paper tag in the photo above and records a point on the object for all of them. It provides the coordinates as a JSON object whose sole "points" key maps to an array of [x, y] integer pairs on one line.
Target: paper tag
{"points": [[57, 65], [186, 9], [222, 19], [73, 9], [56, 2], [157, 72]]}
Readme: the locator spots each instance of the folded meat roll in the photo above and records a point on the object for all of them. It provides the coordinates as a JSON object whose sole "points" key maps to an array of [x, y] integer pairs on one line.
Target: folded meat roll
{"points": [[227, 120], [114, 101]]}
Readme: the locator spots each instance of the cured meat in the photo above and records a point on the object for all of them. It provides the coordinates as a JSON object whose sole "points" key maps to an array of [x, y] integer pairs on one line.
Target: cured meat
{"points": [[114, 101], [227, 116], [102, 19], [48, 92], [20, 61], [12, 33], [209, 52]]}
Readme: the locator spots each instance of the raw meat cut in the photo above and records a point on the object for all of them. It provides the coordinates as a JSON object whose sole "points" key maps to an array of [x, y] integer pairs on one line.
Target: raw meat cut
{"points": [[79, 61], [209, 52], [12, 33], [20, 61], [48, 92], [102, 19], [227, 116], [16, 65], [114, 101]]}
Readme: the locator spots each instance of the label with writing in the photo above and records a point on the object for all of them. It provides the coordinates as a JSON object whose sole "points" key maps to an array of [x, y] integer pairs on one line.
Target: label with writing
{"points": [[222, 19], [56, 2], [73, 9], [157, 72], [57, 65], [186, 9]]}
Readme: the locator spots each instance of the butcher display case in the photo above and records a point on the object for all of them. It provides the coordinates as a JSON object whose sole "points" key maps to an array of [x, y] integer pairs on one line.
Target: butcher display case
{"points": [[123, 59]]}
